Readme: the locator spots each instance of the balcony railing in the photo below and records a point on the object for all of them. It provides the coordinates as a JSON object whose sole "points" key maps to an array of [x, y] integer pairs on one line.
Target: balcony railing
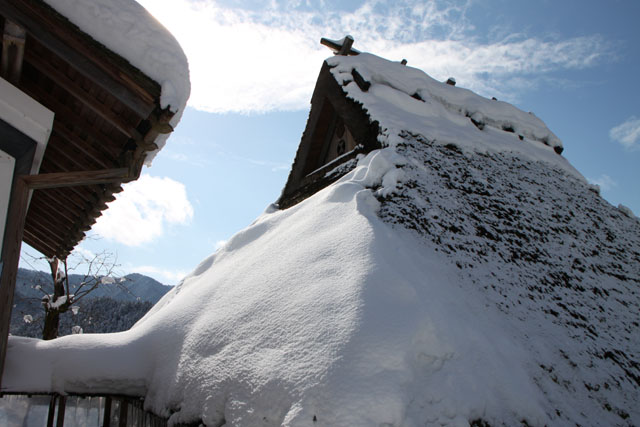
{"points": [[54, 410]]}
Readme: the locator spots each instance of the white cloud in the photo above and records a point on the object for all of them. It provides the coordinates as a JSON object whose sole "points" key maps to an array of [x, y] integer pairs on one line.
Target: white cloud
{"points": [[219, 244], [605, 182], [143, 209], [627, 133], [257, 61], [83, 253], [170, 276]]}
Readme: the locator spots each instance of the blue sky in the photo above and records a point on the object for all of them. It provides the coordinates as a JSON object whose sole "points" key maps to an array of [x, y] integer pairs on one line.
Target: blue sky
{"points": [[253, 66]]}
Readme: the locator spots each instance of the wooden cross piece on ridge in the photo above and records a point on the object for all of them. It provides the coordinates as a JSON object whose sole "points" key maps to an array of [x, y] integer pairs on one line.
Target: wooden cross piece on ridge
{"points": [[340, 47]]}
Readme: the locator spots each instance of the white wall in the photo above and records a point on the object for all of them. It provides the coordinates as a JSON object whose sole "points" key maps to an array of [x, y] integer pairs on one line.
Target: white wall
{"points": [[28, 116], [32, 119]]}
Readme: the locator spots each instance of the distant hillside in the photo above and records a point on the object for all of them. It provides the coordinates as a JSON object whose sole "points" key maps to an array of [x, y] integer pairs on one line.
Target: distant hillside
{"points": [[135, 287], [109, 308]]}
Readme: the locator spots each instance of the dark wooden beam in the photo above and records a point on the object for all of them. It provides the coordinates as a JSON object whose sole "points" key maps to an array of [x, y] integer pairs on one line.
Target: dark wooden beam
{"points": [[158, 124], [74, 203], [363, 84], [50, 198], [69, 232], [68, 42], [71, 179], [55, 226], [42, 239], [42, 216], [340, 49], [73, 153], [346, 46], [81, 95], [66, 114], [104, 155], [88, 201]]}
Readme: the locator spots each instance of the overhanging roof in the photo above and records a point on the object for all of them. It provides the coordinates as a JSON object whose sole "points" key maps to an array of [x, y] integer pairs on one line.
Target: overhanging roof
{"points": [[107, 117]]}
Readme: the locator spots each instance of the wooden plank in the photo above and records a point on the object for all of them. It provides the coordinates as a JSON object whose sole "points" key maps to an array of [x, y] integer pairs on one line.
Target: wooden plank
{"points": [[36, 243], [81, 95], [123, 413], [49, 199], [42, 238], [62, 400], [338, 48], [159, 124], [67, 154], [88, 204], [65, 114], [72, 45], [363, 84], [52, 410], [55, 225], [61, 242], [10, 259], [105, 154], [42, 241], [70, 179], [74, 203], [53, 230], [346, 46], [59, 159], [77, 154], [106, 420]]}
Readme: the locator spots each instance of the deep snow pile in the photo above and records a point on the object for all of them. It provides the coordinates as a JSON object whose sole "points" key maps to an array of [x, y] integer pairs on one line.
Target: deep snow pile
{"points": [[456, 276], [127, 29]]}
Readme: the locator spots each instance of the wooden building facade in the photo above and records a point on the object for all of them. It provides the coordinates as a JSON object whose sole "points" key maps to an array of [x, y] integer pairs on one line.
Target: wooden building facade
{"points": [[338, 129], [78, 122]]}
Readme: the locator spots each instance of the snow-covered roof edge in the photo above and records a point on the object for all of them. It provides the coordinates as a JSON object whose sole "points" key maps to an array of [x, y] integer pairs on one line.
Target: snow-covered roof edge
{"points": [[406, 99], [126, 28]]}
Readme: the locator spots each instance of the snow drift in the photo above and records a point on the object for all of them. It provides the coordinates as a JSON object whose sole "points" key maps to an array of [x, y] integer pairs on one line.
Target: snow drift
{"points": [[459, 275]]}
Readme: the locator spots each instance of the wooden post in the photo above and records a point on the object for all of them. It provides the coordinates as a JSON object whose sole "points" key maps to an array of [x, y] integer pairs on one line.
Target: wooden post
{"points": [[340, 49], [62, 405], [123, 413], [52, 410], [106, 419], [10, 259], [346, 46]]}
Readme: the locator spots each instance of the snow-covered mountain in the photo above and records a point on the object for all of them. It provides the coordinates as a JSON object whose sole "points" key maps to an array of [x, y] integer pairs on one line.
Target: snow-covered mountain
{"points": [[109, 308], [464, 274], [133, 287]]}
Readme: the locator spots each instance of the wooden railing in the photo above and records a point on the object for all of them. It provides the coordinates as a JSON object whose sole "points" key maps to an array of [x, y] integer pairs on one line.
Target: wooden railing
{"points": [[54, 410]]}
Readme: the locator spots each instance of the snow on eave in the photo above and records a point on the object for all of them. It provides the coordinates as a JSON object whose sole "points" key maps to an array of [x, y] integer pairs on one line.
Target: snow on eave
{"points": [[127, 29]]}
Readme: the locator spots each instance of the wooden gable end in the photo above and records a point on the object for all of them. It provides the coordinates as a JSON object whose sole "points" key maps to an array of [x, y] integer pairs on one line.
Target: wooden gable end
{"points": [[338, 129]]}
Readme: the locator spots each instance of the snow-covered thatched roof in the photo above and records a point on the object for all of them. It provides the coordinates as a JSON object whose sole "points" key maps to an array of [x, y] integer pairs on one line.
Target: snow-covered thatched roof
{"points": [[457, 275]]}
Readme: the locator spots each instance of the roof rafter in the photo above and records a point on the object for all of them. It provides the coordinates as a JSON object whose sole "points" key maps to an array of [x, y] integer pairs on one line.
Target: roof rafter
{"points": [[85, 98], [51, 29]]}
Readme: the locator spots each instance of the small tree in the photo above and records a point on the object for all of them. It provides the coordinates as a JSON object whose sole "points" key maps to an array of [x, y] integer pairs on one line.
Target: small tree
{"points": [[99, 271]]}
